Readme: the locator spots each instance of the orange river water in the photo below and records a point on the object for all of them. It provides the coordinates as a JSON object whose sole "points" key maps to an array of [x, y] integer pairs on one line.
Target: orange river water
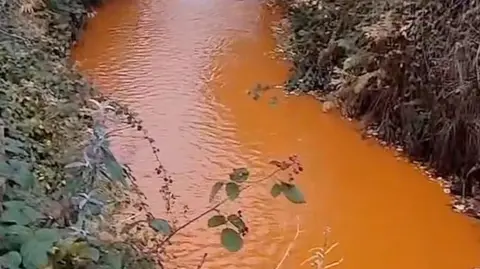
{"points": [[185, 66]]}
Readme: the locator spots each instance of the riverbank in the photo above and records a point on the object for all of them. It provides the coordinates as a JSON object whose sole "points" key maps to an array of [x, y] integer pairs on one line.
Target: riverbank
{"points": [[382, 210], [59, 181], [408, 71]]}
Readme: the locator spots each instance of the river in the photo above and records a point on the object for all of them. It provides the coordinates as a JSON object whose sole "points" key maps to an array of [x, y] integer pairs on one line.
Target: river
{"points": [[185, 66]]}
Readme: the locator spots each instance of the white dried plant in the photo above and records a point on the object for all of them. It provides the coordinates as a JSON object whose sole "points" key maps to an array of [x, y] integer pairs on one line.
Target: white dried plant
{"points": [[319, 254]]}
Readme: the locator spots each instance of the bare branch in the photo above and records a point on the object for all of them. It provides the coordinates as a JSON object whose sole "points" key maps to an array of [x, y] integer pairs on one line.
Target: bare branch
{"points": [[320, 253], [290, 246], [202, 261], [212, 209]]}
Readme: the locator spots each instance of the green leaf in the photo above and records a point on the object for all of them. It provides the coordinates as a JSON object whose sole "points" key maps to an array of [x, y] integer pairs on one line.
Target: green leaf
{"points": [[239, 175], [74, 184], [24, 178], [11, 260], [65, 247], [16, 235], [292, 193], [46, 235], [19, 212], [89, 253], [34, 254], [216, 221], [232, 190], [18, 172], [114, 169], [215, 189], [276, 190], [114, 259], [15, 146], [237, 222], [75, 248], [6, 170], [161, 226], [231, 240], [95, 210]]}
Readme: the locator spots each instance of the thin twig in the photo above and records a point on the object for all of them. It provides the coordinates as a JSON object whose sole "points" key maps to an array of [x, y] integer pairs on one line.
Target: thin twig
{"points": [[320, 253], [334, 264], [476, 65], [202, 261], [2, 142], [129, 218], [26, 41], [290, 246], [110, 133]]}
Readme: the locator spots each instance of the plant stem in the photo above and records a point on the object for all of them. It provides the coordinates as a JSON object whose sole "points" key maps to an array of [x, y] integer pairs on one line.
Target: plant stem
{"points": [[290, 246], [214, 208], [203, 261]]}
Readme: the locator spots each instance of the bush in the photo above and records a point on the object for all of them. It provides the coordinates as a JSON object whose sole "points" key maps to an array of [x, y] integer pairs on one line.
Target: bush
{"points": [[56, 180], [59, 180], [408, 70]]}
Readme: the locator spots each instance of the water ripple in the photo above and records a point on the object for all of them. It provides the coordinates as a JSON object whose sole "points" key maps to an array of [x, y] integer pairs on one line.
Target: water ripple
{"points": [[161, 62]]}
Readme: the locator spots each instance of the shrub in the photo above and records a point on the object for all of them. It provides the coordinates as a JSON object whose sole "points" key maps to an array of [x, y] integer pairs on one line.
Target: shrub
{"points": [[408, 70]]}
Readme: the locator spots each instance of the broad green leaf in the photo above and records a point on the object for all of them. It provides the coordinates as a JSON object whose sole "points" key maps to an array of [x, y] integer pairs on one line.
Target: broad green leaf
{"points": [[46, 235], [14, 146], [34, 254], [237, 222], [276, 190], [239, 175], [6, 170], [114, 259], [114, 169], [19, 212], [11, 260], [74, 184], [216, 221], [65, 247], [76, 248], [24, 177], [95, 210], [215, 189], [90, 253], [161, 226], [18, 172], [231, 240], [292, 193], [233, 190], [16, 235]]}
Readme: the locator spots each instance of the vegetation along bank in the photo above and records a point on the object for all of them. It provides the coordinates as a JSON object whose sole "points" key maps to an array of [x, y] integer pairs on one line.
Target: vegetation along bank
{"points": [[408, 70], [63, 194], [59, 181]]}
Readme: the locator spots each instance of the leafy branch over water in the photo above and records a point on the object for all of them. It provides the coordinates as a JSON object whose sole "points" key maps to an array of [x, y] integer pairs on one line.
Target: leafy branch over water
{"points": [[233, 225]]}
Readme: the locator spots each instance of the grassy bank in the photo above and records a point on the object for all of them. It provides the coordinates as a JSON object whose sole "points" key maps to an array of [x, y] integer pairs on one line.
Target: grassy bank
{"points": [[409, 71], [59, 181]]}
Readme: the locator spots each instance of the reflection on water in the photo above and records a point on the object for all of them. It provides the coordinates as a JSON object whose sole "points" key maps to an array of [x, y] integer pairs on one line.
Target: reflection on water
{"points": [[185, 66]]}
